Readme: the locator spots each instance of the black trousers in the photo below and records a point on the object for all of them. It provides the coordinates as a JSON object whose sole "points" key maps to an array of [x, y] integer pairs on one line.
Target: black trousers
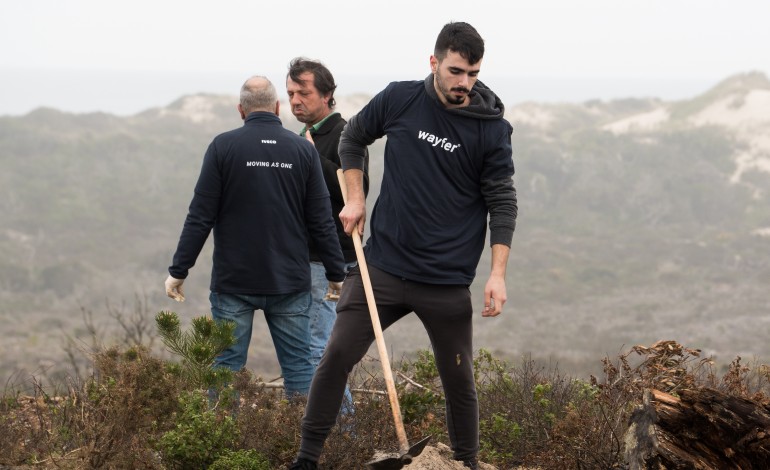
{"points": [[446, 313]]}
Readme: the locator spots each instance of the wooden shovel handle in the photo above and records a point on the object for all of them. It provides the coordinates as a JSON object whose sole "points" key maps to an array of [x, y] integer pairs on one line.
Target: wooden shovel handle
{"points": [[381, 349]]}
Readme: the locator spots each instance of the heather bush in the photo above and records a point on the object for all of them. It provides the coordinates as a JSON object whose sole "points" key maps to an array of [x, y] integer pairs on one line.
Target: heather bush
{"points": [[136, 411], [240, 460], [200, 436]]}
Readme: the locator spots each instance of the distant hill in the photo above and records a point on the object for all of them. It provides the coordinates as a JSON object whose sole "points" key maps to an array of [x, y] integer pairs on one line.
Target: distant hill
{"points": [[639, 220]]}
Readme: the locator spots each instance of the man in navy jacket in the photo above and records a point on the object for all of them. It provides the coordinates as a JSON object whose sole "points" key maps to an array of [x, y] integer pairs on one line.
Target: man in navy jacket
{"points": [[448, 168], [261, 190]]}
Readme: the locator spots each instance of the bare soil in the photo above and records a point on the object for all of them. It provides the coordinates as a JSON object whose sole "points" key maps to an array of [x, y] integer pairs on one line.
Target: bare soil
{"points": [[439, 457]]}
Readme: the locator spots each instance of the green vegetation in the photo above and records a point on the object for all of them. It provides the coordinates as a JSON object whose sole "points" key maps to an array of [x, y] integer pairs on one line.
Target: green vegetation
{"points": [[200, 437], [198, 348], [136, 411]]}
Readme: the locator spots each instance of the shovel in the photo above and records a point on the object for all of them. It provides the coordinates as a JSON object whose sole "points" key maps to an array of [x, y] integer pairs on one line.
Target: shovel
{"points": [[406, 453]]}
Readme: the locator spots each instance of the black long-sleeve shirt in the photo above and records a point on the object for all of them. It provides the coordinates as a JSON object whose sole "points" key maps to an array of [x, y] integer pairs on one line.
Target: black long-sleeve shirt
{"points": [[446, 170]]}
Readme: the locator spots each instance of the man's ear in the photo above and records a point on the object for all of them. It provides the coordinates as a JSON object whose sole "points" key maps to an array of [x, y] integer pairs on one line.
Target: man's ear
{"points": [[278, 108], [241, 112], [433, 64]]}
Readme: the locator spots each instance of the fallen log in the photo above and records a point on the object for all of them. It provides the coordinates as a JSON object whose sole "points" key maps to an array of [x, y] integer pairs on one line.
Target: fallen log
{"points": [[701, 429]]}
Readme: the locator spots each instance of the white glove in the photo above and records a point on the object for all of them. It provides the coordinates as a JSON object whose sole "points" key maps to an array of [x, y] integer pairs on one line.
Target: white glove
{"points": [[174, 288], [333, 293]]}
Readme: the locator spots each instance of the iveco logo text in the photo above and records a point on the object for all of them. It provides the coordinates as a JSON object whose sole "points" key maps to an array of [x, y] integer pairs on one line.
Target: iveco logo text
{"points": [[269, 141], [437, 142]]}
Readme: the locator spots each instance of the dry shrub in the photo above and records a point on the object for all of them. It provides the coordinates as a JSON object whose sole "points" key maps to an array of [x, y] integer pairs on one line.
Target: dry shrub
{"points": [[591, 434], [270, 425], [267, 423], [751, 382], [518, 407], [529, 414], [369, 430], [24, 426], [111, 418]]}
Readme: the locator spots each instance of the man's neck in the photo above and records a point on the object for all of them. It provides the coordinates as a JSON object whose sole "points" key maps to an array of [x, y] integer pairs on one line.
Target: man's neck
{"points": [[316, 125], [323, 118]]}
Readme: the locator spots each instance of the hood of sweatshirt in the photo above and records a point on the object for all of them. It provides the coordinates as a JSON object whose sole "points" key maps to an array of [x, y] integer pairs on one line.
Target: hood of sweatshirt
{"points": [[484, 104]]}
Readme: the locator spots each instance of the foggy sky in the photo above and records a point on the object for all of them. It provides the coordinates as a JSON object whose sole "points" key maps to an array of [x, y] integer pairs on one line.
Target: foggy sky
{"points": [[84, 55]]}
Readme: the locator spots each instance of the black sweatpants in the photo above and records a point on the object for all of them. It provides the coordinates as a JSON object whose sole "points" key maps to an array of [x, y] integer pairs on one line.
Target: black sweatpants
{"points": [[446, 313]]}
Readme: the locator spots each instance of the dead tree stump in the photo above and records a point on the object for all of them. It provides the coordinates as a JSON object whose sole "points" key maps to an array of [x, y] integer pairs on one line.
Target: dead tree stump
{"points": [[700, 429]]}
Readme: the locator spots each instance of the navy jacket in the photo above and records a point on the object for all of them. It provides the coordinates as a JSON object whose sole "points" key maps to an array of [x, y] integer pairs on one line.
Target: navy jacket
{"points": [[446, 170], [262, 191]]}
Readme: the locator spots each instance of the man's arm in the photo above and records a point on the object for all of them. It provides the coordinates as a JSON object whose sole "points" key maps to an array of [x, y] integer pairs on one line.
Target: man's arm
{"points": [[354, 212], [500, 196], [201, 217], [495, 294], [330, 161], [354, 157]]}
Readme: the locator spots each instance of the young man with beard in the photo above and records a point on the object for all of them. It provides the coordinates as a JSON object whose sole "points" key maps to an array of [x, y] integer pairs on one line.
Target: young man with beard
{"points": [[448, 166]]}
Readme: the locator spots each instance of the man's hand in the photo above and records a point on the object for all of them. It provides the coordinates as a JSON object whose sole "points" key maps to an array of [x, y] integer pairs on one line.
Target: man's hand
{"points": [[494, 292], [174, 288], [354, 213], [309, 137], [334, 291], [352, 216], [494, 296]]}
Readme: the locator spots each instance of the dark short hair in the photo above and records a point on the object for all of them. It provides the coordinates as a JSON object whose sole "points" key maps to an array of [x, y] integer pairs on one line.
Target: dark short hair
{"points": [[322, 77], [461, 38]]}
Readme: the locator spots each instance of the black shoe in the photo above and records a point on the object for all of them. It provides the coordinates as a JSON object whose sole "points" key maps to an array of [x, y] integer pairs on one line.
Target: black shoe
{"points": [[473, 464], [303, 464]]}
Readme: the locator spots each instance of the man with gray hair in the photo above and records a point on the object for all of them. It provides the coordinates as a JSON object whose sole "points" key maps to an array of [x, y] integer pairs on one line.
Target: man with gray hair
{"points": [[262, 191]]}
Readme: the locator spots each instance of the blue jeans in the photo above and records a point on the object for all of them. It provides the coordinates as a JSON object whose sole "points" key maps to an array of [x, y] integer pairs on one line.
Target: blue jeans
{"points": [[323, 313], [287, 317]]}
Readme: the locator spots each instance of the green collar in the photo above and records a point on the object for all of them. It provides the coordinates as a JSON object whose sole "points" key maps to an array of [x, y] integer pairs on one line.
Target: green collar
{"points": [[314, 128]]}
